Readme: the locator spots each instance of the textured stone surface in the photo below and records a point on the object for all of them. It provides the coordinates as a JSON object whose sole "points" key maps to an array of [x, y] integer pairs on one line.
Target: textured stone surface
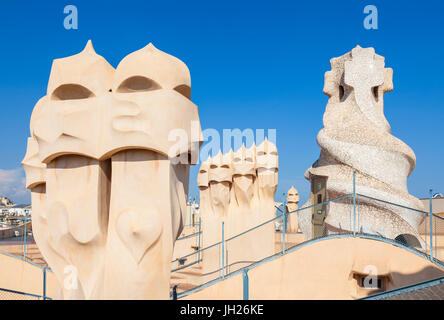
{"points": [[241, 180], [108, 194], [431, 293], [238, 188], [292, 205], [433, 290], [118, 116], [357, 137]]}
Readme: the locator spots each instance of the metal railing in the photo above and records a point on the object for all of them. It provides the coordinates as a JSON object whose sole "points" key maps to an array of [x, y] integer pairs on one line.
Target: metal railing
{"points": [[15, 235], [7, 294], [44, 279], [197, 234], [430, 245], [15, 241], [228, 260]]}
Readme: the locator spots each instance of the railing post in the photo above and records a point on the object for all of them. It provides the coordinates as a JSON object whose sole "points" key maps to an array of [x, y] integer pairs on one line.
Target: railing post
{"points": [[425, 233], [357, 214], [44, 283], [431, 225], [246, 289], [284, 226], [174, 296], [223, 251], [198, 243], [24, 240], [354, 203]]}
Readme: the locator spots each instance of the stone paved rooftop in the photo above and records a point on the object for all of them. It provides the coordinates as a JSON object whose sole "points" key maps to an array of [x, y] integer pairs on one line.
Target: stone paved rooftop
{"points": [[429, 290]]}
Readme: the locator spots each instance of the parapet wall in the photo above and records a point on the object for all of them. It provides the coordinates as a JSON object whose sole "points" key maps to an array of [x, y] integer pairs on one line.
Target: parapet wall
{"points": [[327, 269], [23, 276]]}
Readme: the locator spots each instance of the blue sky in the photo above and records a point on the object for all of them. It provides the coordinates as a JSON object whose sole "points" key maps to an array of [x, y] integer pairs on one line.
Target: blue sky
{"points": [[253, 65]]}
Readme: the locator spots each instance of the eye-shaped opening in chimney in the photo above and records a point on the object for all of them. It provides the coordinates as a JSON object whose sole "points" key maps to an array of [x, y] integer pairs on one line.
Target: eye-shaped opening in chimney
{"points": [[375, 91], [71, 92], [184, 90], [138, 84], [341, 92]]}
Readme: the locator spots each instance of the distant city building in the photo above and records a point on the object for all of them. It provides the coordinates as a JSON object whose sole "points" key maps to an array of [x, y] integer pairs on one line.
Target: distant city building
{"points": [[20, 210], [5, 202], [9, 208], [437, 204]]}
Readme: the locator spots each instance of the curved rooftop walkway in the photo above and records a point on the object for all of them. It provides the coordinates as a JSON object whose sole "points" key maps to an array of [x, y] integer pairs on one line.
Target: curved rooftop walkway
{"points": [[324, 268]]}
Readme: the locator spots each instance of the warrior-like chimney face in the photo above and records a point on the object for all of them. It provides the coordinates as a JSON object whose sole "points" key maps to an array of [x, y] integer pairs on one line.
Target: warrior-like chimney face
{"points": [[244, 161], [267, 163], [244, 174], [149, 69], [67, 80], [293, 195], [123, 108], [99, 151], [221, 169], [220, 177], [202, 176]]}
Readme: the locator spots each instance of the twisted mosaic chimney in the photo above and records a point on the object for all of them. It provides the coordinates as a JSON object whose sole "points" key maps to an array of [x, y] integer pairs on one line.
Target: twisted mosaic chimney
{"points": [[357, 137]]}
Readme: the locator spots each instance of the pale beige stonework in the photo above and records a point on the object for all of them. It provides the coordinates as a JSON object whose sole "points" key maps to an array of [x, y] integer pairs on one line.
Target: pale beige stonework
{"points": [[328, 269], [292, 206], [108, 190], [237, 188], [109, 197], [357, 137], [22, 276]]}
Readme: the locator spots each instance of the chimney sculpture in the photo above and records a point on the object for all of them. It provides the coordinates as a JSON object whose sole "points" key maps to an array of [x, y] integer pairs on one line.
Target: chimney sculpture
{"points": [[357, 138], [108, 192], [241, 188], [292, 206]]}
